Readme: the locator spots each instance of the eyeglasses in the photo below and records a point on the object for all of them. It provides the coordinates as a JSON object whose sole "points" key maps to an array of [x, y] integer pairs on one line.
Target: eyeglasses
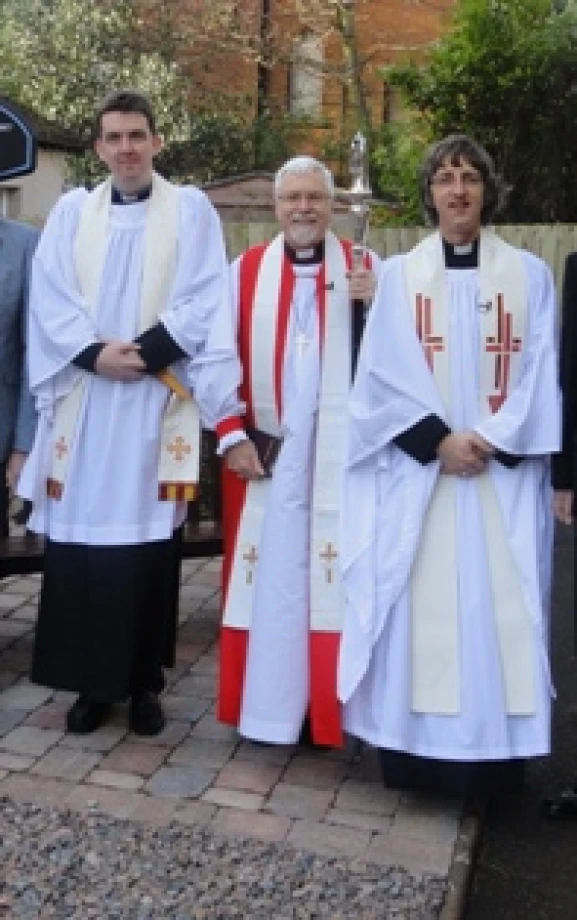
{"points": [[297, 197], [447, 179]]}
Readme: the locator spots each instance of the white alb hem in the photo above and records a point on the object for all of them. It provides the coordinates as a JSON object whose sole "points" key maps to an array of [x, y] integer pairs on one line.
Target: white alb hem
{"points": [[379, 740], [269, 732]]}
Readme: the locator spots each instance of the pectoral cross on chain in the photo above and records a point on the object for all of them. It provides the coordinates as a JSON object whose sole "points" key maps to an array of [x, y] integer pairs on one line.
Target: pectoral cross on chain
{"points": [[329, 553], [302, 343], [61, 447], [251, 557]]}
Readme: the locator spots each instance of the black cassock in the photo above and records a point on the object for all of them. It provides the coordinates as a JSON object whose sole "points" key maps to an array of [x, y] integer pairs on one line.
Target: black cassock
{"points": [[108, 615], [107, 618]]}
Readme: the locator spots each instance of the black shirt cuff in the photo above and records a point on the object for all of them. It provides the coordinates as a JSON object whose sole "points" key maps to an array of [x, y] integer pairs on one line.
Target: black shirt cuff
{"points": [[158, 349], [86, 360], [420, 441], [508, 460]]}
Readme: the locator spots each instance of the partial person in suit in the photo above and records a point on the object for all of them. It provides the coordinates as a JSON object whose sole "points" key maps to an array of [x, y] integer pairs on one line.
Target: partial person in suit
{"points": [[17, 413], [564, 804]]}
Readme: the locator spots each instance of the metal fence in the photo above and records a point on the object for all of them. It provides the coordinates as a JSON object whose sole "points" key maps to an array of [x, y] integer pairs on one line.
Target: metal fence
{"points": [[550, 242]]}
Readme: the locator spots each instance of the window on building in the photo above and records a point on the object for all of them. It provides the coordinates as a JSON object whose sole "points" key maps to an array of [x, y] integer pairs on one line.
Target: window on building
{"points": [[9, 201], [305, 77]]}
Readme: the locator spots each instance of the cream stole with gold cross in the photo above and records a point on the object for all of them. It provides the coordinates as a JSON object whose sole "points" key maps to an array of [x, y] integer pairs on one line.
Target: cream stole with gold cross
{"points": [[180, 434], [434, 576], [326, 590]]}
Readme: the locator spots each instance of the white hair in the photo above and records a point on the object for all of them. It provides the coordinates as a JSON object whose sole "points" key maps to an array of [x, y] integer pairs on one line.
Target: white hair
{"points": [[304, 164]]}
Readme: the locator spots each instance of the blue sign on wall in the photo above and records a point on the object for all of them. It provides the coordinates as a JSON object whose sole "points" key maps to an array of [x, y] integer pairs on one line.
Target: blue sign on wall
{"points": [[17, 144]]}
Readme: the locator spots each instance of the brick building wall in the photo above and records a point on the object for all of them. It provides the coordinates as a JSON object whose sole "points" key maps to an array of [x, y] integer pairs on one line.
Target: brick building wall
{"points": [[223, 59], [386, 31]]}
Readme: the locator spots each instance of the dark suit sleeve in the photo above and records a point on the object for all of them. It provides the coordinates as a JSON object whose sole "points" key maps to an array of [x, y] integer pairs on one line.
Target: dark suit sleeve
{"points": [[26, 413], [563, 466], [158, 349]]}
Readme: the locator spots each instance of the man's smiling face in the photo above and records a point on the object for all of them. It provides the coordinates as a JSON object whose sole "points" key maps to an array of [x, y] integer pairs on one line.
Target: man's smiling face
{"points": [[303, 208]]}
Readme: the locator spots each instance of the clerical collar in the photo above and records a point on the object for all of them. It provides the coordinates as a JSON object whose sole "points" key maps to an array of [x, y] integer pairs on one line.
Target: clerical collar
{"points": [[119, 197], [310, 256], [465, 256]]}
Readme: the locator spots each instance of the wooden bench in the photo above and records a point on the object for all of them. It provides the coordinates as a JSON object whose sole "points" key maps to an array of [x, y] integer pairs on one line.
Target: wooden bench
{"points": [[202, 534]]}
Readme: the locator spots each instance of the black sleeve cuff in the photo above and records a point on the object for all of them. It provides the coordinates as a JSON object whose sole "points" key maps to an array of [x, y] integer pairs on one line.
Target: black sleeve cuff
{"points": [[508, 460], [158, 349], [86, 360], [421, 440], [563, 470]]}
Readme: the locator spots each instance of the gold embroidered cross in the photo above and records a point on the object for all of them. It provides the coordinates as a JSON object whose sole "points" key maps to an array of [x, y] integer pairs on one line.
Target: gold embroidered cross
{"points": [[179, 448], [327, 556], [251, 557], [61, 447]]}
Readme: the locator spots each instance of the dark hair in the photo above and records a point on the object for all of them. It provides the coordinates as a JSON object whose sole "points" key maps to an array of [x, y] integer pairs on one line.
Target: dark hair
{"points": [[454, 148], [124, 100]]}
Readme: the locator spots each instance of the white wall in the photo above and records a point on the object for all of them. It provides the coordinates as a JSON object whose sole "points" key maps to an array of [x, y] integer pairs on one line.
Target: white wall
{"points": [[30, 198]]}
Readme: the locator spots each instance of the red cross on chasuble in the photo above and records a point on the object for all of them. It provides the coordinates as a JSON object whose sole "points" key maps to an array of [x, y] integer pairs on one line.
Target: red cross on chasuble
{"points": [[502, 345], [431, 342]]}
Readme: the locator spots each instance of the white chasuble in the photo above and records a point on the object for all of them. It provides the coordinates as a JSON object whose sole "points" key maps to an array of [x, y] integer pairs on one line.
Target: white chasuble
{"points": [[284, 585], [436, 664], [444, 648]]}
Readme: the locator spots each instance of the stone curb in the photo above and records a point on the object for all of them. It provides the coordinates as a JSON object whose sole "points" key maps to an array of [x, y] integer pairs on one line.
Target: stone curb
{"points": [[462, 864]]}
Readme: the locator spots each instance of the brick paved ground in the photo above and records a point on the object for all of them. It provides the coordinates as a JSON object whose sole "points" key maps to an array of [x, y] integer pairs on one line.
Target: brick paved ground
{"points": [[197, 771]]}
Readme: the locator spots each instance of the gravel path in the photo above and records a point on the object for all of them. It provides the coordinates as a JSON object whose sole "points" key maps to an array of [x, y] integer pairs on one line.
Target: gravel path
{"points": [[61, 864]]}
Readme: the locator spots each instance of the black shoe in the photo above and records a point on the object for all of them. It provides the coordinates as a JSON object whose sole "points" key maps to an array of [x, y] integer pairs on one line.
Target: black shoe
{"points": [[563, 805], [145, 715], [86, 715], [306, 737]]}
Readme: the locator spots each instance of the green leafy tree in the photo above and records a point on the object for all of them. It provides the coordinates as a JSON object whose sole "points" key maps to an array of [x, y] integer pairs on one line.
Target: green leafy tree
{"points": [[506, 73], [61, 57]]}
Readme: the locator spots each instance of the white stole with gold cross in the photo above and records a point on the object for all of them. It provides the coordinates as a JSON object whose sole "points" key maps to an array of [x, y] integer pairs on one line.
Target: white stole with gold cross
{"points": [[434, 576], [326, 591], [180, 434]]}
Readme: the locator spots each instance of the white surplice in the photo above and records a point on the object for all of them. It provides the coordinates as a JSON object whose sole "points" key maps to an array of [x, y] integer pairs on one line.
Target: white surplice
{"points": [[386, 494], [110, 497], [278, 651]]}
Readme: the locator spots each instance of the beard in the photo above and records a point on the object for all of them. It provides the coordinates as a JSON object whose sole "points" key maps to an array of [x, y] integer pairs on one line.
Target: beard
{"points": [[303, 235]]}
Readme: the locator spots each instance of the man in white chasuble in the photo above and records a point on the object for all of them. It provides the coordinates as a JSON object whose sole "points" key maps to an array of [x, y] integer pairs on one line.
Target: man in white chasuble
{"points": [[129, 311], [295, 301], [447, 516]]}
